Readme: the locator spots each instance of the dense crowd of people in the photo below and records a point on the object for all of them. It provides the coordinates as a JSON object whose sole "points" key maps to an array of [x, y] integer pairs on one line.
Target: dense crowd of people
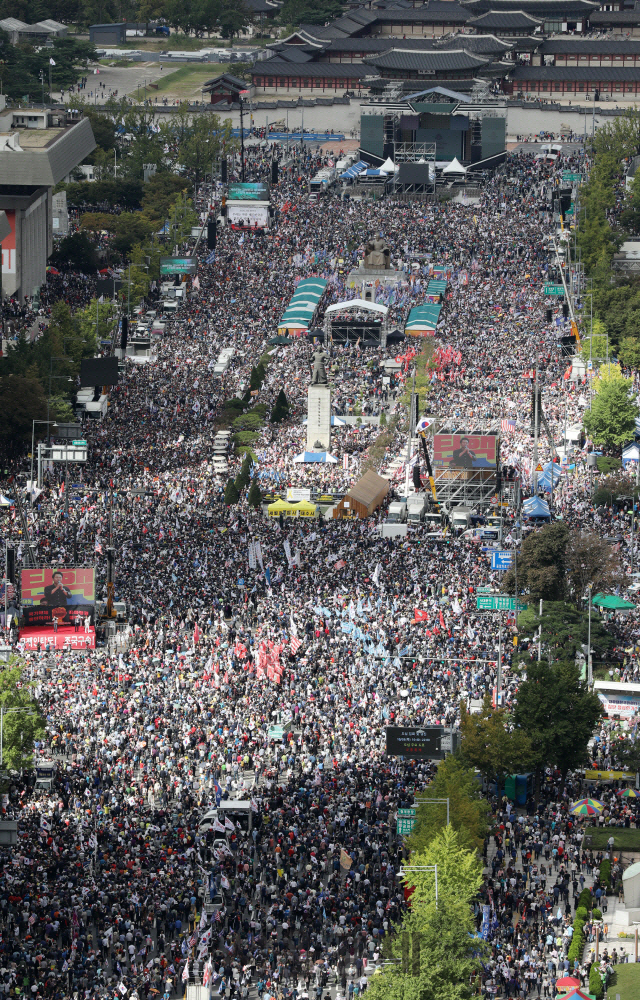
{"points": [[263, 659]]}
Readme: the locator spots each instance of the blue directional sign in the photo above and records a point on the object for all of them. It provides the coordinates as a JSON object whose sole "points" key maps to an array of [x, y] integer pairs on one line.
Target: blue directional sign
{"points": [[501, 559]]}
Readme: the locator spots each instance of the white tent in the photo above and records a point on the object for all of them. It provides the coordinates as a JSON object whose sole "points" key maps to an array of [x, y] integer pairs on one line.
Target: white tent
{"points": [[455, 167], [388, 166], [357, 304]]}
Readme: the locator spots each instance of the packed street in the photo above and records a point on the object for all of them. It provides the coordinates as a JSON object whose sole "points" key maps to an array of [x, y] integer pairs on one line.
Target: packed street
{"points": [[271, 682]]}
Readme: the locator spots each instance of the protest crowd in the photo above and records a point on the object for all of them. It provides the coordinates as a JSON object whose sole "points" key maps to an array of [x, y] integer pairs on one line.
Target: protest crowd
{"points": [[317, 634]]}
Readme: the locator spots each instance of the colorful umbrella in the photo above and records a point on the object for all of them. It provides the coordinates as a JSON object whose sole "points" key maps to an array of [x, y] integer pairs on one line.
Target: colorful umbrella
{"points": [[630, 793], [586, 807]]}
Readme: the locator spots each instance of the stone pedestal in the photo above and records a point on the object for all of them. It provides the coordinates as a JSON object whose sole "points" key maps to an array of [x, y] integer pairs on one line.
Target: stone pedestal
{"points": [[364, 278], [319, 418]]}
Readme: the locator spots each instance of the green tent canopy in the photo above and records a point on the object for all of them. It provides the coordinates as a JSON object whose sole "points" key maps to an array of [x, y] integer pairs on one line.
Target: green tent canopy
{"points": [[612, 602]]}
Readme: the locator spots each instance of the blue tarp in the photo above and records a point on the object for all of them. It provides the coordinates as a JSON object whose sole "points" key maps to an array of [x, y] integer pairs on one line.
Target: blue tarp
{"points": [[536, 507], [550, 469], [354, 170]]}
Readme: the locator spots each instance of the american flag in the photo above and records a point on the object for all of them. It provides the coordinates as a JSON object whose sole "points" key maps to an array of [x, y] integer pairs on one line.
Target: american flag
{"points": [[11, 591], [295, 644], [507, 426]]}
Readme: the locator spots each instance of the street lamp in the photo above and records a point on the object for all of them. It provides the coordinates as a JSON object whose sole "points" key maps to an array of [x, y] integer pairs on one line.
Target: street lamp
{"points": [[33, 428], [422, 868], [52, 376]]}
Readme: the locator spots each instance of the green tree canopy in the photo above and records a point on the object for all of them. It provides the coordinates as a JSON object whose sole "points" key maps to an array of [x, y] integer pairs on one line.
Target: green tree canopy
{"points": [[491, 743], [564, 630], [231, 495], [558, 714], [541, 564], [611, 419], [75, 252], [22, 400], [280, 409], [23, 719], [432, 953], [467, 808]]}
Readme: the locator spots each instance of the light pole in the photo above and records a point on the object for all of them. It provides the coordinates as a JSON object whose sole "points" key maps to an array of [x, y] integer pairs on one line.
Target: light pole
{"points": [[33, 429], [422, 868], [426, 802], [52, 376]]}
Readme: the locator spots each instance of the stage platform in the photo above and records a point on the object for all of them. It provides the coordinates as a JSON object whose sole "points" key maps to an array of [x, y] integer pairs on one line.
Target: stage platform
{"points": [[66, 636]]}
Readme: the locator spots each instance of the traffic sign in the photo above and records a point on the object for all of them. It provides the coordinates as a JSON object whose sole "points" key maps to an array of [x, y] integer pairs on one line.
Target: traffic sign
{"points": [[496, 602], [568, 175], [483, 590], [405, 821], [553, 290], [79, 444], [501, 559], [539, 467]]}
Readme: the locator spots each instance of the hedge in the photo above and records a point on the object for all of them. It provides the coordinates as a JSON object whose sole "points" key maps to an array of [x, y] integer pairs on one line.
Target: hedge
{"points": [[605, 875], [584, 899], [576, 948], [596, 986]]}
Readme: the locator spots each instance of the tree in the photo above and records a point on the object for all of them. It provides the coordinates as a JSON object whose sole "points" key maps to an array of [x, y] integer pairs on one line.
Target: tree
{"points": [[565, 630], [558, 713], [254, 497], [244, 476], [541, 564], [591, 560], [467, 809], [433, 953], [629, 352], [280, 409], [22, 400], [20, 728], [233, 18], [75, 252], [231, 495], [611, 419], [492, 744], [195, 141]]}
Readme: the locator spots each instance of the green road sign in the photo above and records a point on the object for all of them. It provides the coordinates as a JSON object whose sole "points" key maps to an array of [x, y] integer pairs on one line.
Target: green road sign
{"points": [[567, 175], [405, 822], [496, 602], [79, 444], [483, 590], [553, 289]]}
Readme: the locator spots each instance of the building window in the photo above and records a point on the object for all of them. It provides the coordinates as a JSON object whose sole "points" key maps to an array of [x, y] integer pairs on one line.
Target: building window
{"points": [[581, 86], [271, 81]]}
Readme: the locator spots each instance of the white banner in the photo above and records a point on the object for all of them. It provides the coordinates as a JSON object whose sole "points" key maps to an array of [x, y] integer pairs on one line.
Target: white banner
{"points": [[242, 213], [252, 555]]}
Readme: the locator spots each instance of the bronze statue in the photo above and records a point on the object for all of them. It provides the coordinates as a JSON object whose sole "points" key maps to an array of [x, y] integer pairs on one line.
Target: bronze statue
{"points": [[377, 254], [319, 374]]}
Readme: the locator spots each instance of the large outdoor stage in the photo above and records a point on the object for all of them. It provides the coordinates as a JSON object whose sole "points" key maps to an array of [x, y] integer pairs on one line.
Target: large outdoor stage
{"points": [[66, 636]]}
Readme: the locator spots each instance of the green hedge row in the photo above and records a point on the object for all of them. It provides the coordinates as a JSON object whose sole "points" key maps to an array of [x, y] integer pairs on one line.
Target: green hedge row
{"points": [[605, 875], [576, 948]]}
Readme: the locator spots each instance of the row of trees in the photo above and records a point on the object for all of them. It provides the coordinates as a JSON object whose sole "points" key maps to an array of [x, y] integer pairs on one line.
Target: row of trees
{"points": [[193, 17], [32, 372], [128, 137], [24, 70], [605, 221]]}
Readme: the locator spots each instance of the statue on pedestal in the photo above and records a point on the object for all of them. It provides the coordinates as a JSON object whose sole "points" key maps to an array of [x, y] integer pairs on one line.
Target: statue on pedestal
{"points": [[377, 255], [319, 374]]}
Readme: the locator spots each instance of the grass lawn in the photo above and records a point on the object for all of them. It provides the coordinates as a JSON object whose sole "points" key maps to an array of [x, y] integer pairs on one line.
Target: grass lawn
{"points": [[187, 81], [623, 839], [626, 982]]}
